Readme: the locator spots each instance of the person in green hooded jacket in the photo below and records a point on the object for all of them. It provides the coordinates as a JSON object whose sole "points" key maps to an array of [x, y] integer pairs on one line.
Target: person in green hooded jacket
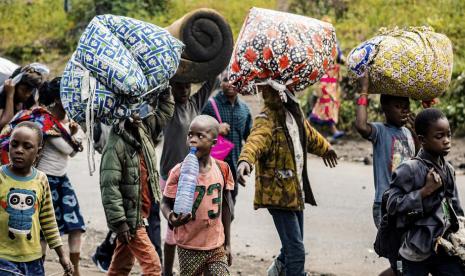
{"points": [[129, 185]]}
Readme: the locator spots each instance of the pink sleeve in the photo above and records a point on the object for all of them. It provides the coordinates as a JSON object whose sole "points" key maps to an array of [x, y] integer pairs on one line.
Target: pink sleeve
{"points": [[172, 182], [230, 180]]}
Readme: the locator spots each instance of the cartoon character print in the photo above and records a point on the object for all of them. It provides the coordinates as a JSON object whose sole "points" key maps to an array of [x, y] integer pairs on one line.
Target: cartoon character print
{"points": [[401, 151], [20, 206]]}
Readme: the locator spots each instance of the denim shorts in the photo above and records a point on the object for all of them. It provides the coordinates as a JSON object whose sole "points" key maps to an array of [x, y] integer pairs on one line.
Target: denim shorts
{"points": [[35, 268]]}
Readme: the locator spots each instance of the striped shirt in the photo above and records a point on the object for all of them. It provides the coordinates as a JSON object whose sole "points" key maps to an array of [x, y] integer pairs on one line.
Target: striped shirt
{"points": [[238, 116], [26, 210]]}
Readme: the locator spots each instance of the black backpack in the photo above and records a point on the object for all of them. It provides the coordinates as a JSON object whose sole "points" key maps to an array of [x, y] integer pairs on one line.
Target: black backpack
{"points": [[389, 237]]}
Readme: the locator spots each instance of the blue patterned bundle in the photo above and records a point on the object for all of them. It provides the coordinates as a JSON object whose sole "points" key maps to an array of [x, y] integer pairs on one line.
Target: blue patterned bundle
{"points": [[75, 93], [100, 52], [118, 63], [156, 51]]}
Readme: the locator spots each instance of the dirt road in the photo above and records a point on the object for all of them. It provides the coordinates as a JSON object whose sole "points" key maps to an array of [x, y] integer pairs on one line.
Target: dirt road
{"points": [[339, 232]]}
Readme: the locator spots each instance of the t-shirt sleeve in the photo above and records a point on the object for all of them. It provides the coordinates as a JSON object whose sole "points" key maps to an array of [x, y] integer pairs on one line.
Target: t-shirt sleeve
{"points": [[230, 181], [172, 182], [376, 131]]}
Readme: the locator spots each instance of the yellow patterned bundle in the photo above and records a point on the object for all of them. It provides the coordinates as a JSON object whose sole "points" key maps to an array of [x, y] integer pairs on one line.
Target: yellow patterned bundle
{"points": [[415, 62]]}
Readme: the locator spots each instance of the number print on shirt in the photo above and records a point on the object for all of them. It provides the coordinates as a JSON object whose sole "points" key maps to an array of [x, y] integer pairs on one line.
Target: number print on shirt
{"points": [[216, 201]]}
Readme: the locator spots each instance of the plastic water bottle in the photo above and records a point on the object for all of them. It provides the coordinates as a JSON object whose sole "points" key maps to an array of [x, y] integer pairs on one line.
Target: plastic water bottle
{"points": [[187, 183]]}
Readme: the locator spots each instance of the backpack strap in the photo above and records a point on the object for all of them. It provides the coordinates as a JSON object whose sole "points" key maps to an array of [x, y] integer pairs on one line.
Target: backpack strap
{"points": [[215, 108], [224, 169]]}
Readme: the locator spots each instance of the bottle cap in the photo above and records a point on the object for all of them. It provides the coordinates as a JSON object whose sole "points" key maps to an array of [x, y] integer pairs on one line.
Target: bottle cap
{"points": [[193, 149]]}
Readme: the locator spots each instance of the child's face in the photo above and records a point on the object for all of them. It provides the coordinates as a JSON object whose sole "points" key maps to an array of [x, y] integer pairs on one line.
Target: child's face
{"points": [[23, 93], [397, 111], [181, 92], [201, 137], [438, 139], [24, 146]]}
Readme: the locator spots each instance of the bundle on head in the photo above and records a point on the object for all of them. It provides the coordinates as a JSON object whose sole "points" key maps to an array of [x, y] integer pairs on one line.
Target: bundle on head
{"points": [[209, 45]]}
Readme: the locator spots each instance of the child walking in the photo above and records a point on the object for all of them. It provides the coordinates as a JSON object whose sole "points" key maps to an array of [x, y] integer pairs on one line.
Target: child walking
{"points": [[129, 186], [393, 143], [278, 146], [186, 108], [54, 162], [203, 237], [26, 208], [424, 200]]}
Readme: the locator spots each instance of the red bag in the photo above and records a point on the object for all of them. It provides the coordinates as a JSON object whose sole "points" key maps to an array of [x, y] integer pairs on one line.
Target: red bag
{"points": [[223, 146]]}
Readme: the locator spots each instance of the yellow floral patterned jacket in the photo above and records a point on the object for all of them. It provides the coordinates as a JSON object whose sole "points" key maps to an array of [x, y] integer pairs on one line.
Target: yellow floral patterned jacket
{"points": [[269, 147]]}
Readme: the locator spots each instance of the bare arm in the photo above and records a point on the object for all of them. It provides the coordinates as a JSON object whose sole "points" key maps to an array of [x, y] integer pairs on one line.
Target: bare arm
{"points": [[361, 120], [226, 220], [7, 113], [167, 205], [174, 220]]}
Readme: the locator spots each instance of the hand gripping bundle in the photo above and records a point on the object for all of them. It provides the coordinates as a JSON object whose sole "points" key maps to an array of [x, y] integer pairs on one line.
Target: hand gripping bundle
{"points": [[118, 65], [284, 50], [414, 62]]}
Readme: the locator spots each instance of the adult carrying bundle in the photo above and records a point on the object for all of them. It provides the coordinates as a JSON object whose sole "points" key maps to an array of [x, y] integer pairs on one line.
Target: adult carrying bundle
{"points": [[414, 62], [118, 66], [284, 50]]}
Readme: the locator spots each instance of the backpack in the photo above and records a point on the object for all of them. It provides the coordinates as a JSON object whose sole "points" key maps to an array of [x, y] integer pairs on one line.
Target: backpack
{"points": [[227, 197], [389, 238]]}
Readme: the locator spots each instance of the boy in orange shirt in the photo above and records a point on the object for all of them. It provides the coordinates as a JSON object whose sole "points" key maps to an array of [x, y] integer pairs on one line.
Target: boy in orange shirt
{"points": [[203, 236]]}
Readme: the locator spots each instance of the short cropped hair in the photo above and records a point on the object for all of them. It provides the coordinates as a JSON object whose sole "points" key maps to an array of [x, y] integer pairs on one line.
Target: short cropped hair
{"points": [[210, 123], [425, 118], [386, 99], [31, 125]]}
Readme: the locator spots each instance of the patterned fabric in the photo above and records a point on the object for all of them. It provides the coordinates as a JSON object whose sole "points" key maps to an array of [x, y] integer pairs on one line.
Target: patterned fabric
{"points": [[196, 262], [276, 183], [102, 53], [293, 129], [156, 51], [238, 117], [117, 62], [326, 109], [67, 210], [49, 125], [106, 107], [290, 49], [415, 62]]}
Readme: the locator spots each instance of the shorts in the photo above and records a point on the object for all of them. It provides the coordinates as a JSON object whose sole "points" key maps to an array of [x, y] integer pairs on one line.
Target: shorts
{"points": [[67, 211], [195, 262], [35, 267], [169, 238]]}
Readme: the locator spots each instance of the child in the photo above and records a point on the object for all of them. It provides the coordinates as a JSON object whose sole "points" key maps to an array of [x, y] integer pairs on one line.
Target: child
{"points": [[14, 98], [53, 162], [424, 200], [237, 122], [26, 208], [393, 143], [129, 185], [278, 145], [203, 237], [186, 107]]}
